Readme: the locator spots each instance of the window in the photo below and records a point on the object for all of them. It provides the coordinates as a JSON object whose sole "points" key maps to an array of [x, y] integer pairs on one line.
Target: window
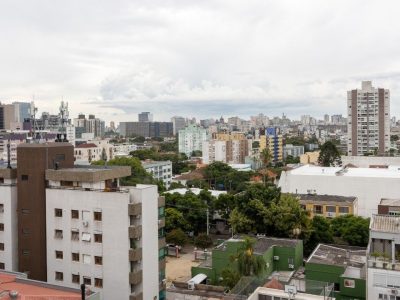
{"points": [[318, 209], [75, 278], [75, 256], [343, 209], [97, 215], [98, 260], [1, 208], [75, 235], [1, 246], [85, 236], [2, 266], [1, 226], [87, 280], [290, 261], [59, 276], [59, 254], [98, 238], [86, 259], [98, 282], [58, 212], [74, 214], [24, 177], [60, 157], [330, 208], [66, 183], [58, 234]]}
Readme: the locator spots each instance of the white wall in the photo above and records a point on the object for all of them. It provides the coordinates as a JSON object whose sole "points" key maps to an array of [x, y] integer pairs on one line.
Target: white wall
{"points": [[368, 190], [10, 234], [148, 196], [114, 249], [375, 287]]}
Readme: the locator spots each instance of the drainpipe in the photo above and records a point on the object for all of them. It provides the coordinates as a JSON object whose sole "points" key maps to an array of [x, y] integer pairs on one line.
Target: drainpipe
{"points": [[83, 295]]}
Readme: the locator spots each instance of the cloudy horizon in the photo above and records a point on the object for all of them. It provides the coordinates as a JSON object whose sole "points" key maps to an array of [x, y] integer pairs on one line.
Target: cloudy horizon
{"points": [[197, 58]]}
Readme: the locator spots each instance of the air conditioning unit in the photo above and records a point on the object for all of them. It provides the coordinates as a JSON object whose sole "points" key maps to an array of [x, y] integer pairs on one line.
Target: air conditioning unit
{"points": [[394, 292], [291, 266], [85, 223], [330, 214], [276, 257], [191, 286]]}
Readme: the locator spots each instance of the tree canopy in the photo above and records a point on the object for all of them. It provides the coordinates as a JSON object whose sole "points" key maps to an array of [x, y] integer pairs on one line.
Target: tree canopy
{"points": [[329, 155]]}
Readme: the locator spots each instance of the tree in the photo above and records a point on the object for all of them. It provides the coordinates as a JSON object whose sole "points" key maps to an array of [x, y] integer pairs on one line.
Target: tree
{"points": [[329, 155], [248, 263], [174, 219], [352, 229], [177, 237], [203, 241], [266, 158], [292, 160], [240, 222], [321, 232], [230, 277]]}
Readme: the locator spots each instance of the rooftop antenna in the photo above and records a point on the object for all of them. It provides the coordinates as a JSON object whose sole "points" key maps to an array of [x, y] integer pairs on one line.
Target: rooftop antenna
{"points": [[9, 153], [33, 112], [64, 115]]}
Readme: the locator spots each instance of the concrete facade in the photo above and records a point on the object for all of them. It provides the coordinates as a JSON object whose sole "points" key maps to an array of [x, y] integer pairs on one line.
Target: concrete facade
{"points": [[191, 139]]}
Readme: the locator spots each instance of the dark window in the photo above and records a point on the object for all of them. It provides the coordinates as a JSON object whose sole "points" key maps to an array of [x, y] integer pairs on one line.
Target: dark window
{"points": [[97, 216], [24, 177], [75, 235], [66, 183], [75, 278], [2, 266], [1, 207], [98, 260], [75, 214], [1, 246], [75, 256], [59, 276], [336, 287], [98, 238], [1, 227], [58, 234], [59, 254], [60, 157], [58, 212], [98, 282], [87, 280]]}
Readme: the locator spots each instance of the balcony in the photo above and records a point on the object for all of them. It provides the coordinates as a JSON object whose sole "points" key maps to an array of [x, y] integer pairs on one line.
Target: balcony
{"points": [[161, 223], [135, 209], [135, 232], [162, 243], [380, 263], [161, 201], [162, 264], [135, 254], [138, 296], [135, 277]]}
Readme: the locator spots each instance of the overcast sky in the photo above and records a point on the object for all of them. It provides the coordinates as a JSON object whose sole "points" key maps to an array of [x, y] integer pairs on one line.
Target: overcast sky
{"points": [[197, 58]]}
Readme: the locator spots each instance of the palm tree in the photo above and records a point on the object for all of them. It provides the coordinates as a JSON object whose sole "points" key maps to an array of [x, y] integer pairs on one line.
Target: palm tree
{"points": [[266, 157], [248, 263]]}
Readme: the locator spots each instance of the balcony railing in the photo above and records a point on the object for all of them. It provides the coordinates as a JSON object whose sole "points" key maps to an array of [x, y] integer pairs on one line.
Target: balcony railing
{"points": [[76, 188], [135, 254], [135, 277], [135, 232], [380, 263], [135, 209]]}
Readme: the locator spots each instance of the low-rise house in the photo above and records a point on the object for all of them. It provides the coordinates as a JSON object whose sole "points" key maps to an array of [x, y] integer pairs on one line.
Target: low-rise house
{"points": [[389, 207], [329, 206]]}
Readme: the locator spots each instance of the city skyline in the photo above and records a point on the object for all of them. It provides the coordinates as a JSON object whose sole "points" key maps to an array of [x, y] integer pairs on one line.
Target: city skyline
{"points": [[197, 59]]}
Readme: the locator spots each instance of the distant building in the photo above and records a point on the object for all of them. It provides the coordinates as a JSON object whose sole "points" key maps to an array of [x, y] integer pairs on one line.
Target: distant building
{"points": [[294, 151], [263, 293], [368, 120], [309, 158], [178, 123], [89, 125], [389, 207], [231, 149], [146, 129], [383, 271], [160, 170], [145, 117], [191, 139], [273, 142], [7, 116], [329, 206]]}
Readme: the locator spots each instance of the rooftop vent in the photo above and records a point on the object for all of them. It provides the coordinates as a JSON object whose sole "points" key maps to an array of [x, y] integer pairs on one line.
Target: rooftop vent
{"points": [[13, 295]]}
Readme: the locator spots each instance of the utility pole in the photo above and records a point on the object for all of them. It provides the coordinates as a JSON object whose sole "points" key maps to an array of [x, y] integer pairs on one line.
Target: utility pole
{"points": [[208, 221]]}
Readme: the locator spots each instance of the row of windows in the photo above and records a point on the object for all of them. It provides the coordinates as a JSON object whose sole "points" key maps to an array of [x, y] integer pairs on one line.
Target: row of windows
{"points": [[75, 278], [86, 236], [75, 257], [97, 215]]}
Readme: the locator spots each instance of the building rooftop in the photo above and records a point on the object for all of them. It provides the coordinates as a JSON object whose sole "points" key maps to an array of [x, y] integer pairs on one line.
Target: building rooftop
{"points": [[339, 256], [195, 191], [86, 145], [88, 173], [195, 174], [390, 172], [30, 289], [44, 145], [264, 243], [385, 223], [327, 198], [153, 163], [390, 202]]}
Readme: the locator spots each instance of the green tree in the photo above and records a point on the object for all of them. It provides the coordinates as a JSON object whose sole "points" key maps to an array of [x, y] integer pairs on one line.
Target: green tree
{"points": [[203, 241], [329, 155], [240, 222], [230, 277], [177, 237], [292, 160], [352, 229], [248, 263], [321, 232], [174, 219]]}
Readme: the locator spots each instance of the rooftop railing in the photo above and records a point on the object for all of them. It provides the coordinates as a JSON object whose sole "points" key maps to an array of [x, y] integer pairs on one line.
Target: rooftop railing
{"points": [[75, 188]]}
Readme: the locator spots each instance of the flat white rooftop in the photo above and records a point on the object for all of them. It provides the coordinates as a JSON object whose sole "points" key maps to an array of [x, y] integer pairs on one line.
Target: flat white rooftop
{"points": [[311, 170], [195, 191]]}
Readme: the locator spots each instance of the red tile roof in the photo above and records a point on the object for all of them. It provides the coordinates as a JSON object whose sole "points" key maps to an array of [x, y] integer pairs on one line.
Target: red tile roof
{"points": [[274, 284]]}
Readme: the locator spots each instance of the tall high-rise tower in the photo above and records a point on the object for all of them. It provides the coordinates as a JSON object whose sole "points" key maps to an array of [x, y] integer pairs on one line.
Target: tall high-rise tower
{"points": [[368, 122]]}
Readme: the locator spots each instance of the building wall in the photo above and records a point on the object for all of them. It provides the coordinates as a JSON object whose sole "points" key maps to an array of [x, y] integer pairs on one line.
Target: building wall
{"points": [[191, 139], [160, 170], [309, 158], [310, 207], [8, 217], [114, 248], [379, 281]]}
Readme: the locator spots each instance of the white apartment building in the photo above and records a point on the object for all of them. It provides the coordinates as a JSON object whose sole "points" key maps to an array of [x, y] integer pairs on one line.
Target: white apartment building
{"points": [[124, 149], [103, 235], [369, 185], [160, 170], [8, 220], [383, 274], [368, 122], [263, 293], [292, 150], [214, 151], [191, 139]]}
